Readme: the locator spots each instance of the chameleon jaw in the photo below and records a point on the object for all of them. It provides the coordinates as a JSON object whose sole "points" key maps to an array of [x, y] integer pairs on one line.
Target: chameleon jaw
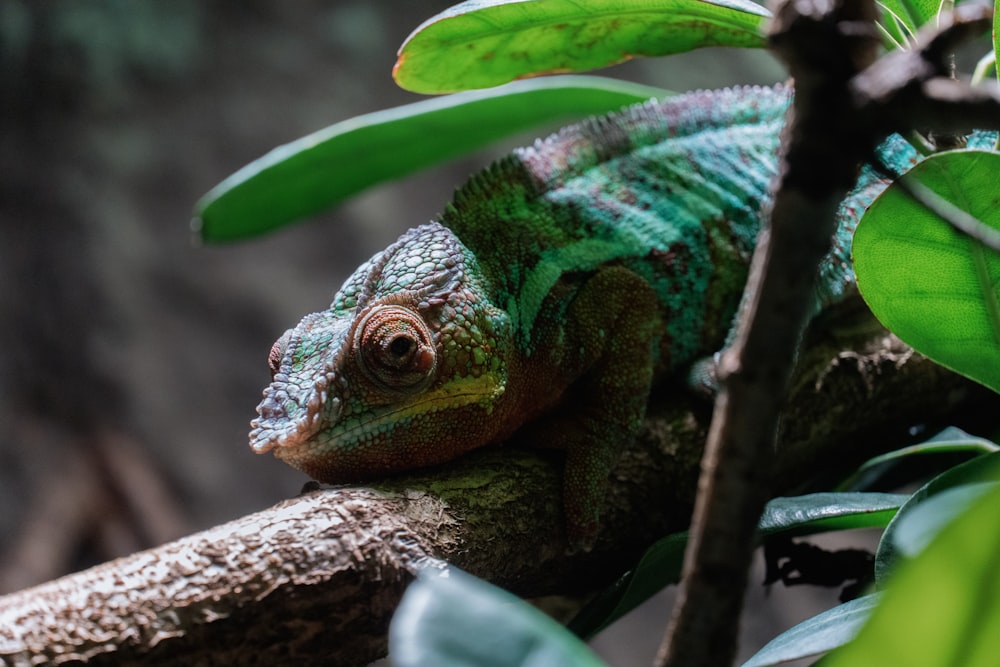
{"points": [[335, 451]]}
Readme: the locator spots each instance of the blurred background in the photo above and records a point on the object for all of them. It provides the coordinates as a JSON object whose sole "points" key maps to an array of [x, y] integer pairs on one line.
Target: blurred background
{"points": [[131, 358]]}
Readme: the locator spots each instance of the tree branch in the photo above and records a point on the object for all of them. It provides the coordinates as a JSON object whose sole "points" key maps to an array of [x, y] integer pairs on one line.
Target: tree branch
{"points": [[314, 580]]}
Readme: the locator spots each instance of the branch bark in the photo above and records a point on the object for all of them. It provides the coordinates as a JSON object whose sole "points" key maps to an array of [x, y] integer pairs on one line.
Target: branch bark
{"points": [[314, 580]]}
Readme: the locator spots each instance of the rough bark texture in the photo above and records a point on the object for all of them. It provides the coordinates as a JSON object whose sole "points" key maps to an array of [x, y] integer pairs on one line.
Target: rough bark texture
{"points": [[314, 580]]}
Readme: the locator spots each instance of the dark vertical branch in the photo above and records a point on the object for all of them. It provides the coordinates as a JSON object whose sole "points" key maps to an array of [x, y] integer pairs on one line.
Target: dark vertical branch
{"points": [[825, 45]]}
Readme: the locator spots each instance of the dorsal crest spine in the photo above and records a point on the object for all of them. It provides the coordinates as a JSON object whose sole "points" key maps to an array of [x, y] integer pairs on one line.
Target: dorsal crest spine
{"points": [[576, 148]]}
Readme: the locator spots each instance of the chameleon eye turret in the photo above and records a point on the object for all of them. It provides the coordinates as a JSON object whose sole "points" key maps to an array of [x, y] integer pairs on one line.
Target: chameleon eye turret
{"points": [[277, 353], [395, 349]]}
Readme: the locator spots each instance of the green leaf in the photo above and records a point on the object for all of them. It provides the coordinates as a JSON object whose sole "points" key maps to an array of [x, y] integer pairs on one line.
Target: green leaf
{"points": [[484, 43], [996, 39], [941, 609], [452, 619], [661, 565], [819, 634], [950, 441], [919, 526], [982, 469], [933, 286], [893, 28], [658, 568], [913, 13], [821, 512], [322, 169]]}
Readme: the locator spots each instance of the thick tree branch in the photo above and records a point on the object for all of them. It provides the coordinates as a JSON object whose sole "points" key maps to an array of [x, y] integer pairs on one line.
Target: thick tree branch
{"points": [[314, 580]]}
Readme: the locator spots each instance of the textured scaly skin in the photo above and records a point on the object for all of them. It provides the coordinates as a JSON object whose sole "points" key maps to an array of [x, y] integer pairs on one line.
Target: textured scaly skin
{"points": [[551, 294]]}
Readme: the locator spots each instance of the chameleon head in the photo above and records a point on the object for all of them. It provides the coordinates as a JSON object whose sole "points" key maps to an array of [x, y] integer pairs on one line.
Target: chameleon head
{"points": [[358, 390]]}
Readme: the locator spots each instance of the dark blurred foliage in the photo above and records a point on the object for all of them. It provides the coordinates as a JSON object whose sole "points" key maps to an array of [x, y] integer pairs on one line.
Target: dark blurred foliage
{"points": [[121, 339]]}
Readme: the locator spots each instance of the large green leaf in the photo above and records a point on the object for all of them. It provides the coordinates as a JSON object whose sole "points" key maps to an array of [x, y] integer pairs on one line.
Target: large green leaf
{"points": [[451, 619], [819, 634], [979, 470], [660, 566], [918, 527], [941, 609], [322, 169], [933, 286], [484, 43]]}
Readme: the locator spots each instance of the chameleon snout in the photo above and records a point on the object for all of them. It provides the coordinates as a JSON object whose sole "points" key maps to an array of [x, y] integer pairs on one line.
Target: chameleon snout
{"points": [[284, 421], [302, 398]]}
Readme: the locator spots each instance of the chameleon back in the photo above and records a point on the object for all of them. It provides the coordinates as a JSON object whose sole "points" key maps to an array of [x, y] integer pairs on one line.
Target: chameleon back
{"points": [[673, 190]]}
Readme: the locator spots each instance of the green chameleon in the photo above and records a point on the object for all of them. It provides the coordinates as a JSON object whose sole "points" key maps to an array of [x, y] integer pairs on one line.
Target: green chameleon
{"points": [[556, 288]]}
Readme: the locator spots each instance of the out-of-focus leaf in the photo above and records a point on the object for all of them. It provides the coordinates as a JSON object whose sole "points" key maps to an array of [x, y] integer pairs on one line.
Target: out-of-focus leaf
{"points": [[941, 609], [819, 634], [322, 169], [922, 523], [484, 43], [981, 469], [452, 619], [996, 40]]}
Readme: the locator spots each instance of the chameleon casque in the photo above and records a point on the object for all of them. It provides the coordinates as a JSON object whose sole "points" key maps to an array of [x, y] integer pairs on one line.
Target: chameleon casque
{"points": [[554, 290]]}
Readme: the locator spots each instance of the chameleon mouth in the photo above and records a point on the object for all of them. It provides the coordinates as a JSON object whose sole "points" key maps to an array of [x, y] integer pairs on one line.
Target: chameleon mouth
{"points": [[355, 430], [356, 448], [295, 440]]}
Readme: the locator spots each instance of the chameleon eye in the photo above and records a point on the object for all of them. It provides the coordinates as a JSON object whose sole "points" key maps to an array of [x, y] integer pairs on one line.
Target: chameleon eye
{"points": [[277, 353], [401, 346], [395, 348]]}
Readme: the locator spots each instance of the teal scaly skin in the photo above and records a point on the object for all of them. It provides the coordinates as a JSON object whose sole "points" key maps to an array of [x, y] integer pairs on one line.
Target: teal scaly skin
{"points": [[551, 294]]}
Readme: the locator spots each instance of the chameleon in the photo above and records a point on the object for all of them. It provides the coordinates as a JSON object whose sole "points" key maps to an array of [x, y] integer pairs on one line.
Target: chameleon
{"points": [[547, 298]]}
